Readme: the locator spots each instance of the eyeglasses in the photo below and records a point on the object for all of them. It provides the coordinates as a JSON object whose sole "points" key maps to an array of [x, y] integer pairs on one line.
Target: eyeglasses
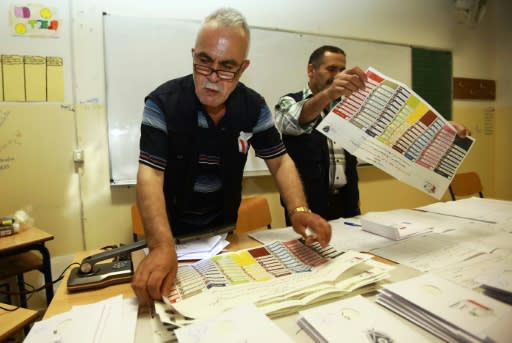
{"points": [[222, 74]]}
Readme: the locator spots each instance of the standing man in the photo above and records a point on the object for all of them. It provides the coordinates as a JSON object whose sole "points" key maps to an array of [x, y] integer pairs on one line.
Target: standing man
{"points": [[328, 172], [195, 135]]}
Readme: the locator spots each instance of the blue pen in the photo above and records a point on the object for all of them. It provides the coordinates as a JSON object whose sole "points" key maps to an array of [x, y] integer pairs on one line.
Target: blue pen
{"points": [[351, 224]]}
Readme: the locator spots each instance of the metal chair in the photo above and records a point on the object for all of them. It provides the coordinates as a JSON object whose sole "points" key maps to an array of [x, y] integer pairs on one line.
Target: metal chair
{"points": [[253, 213], [466, 184]]}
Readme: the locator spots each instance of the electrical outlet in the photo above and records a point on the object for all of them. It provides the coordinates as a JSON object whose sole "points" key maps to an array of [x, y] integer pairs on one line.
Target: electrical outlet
{"points": [[78, 156]]}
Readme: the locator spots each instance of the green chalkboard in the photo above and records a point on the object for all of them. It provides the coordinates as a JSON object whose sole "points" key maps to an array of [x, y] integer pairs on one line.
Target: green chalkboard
{"points": [[432, 78]]}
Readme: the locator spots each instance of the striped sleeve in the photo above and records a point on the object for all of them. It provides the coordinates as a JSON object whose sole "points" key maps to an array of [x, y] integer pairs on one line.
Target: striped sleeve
{"points": [[266, 139], [287, 117], [153, 137]]}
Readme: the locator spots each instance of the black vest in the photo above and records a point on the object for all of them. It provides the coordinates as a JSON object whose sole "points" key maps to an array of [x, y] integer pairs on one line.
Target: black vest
{"points": [[180, 105], [310, 152]]}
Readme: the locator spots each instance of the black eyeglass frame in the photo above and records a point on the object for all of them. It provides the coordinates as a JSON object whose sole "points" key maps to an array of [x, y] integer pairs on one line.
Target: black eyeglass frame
{"points": [[222, 74]]}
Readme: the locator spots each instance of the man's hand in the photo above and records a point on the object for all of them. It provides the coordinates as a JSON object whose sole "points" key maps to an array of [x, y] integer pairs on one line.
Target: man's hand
{"points": [[312, 227], [347, 82], [155, 274], [462, 131]]}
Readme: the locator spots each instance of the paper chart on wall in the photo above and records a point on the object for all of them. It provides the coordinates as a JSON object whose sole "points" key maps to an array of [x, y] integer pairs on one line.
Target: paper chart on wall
{"points": [[390, 126], [272, 273], [26, 78]]}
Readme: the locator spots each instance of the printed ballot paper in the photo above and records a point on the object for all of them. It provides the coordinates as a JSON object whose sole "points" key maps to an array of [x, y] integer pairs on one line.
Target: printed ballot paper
{"points": [[391, 127]]}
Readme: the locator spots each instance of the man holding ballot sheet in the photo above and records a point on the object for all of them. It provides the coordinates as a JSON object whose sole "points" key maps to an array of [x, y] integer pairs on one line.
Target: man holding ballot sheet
{"points": [[195, 136], [328, 172]]}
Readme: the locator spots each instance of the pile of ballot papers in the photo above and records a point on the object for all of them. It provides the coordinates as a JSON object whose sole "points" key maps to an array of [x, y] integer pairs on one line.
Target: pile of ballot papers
{"points": [[356, 319], [447, 310], [280, 278]]}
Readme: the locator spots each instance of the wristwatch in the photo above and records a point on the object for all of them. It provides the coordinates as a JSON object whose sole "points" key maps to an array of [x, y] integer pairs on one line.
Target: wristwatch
{"points": [[300, 209]]}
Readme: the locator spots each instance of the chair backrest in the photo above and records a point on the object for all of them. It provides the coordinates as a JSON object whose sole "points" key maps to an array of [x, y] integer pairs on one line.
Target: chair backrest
{"points": [[465, 184], [253, 213], [137, 227]]}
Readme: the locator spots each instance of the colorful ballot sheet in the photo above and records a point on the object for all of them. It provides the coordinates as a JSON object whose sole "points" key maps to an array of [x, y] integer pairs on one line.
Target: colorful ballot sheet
{"points": [[263, 263], [390, 126], [280, 278]]}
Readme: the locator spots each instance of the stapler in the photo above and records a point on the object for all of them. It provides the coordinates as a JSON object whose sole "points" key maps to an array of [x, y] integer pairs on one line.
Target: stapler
{"points": [[92, 274]]}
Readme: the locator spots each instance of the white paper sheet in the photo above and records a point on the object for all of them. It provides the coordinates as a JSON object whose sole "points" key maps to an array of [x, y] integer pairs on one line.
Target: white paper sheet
{"points": [[347, 237], [426, 252], [471, 273], [245, 323], [483, 209], [269, 236]]}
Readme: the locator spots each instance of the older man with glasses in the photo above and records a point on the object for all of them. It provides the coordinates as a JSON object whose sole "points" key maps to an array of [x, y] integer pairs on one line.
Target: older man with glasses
{"points": [[195, 135]]}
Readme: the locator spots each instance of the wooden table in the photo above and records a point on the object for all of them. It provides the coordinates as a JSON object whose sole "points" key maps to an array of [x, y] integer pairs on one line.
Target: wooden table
{"points": [[65, 300], [13, 321], [19, 244]]}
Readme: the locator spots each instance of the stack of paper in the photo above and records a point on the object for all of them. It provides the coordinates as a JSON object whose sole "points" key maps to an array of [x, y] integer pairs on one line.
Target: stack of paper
{"points": [[452, 312], [280, 278], [110, 320], [392, 225], [355, 319], [201, 248]]}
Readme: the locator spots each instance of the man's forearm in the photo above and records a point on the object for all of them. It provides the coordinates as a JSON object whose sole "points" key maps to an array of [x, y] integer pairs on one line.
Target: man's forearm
{"points": [[151, 203], [288, 181], [313, 107]]}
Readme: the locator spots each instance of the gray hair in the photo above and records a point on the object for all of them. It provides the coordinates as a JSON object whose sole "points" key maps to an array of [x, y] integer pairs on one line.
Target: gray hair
{"points": [[229, 17]]}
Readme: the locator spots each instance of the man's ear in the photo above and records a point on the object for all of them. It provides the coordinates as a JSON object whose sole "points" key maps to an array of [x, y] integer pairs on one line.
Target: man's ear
{"points": [[311, 70], [245, 65]]}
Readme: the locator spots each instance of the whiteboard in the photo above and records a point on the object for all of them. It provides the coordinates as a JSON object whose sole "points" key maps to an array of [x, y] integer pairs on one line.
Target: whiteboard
{"points": [[142, 53]]}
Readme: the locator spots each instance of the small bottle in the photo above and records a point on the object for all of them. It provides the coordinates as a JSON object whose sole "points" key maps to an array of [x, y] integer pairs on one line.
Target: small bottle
{"points": [[23, 216]]}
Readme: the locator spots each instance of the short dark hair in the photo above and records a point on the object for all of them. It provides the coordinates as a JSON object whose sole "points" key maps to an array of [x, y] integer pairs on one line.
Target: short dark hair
{"points": [[317, 56]]}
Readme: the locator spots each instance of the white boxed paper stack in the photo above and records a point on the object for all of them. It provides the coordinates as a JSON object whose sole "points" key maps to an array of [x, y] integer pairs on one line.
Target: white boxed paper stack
{"points": [[449, 311], [393, 225], [355, 319]]}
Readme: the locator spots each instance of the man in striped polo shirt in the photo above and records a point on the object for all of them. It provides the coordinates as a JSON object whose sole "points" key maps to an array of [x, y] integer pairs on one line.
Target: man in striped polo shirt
{"points": [[195, 135]]}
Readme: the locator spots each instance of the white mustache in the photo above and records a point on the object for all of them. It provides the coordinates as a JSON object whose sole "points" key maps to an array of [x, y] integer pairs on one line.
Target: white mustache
{"points": [[212, 86]]}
